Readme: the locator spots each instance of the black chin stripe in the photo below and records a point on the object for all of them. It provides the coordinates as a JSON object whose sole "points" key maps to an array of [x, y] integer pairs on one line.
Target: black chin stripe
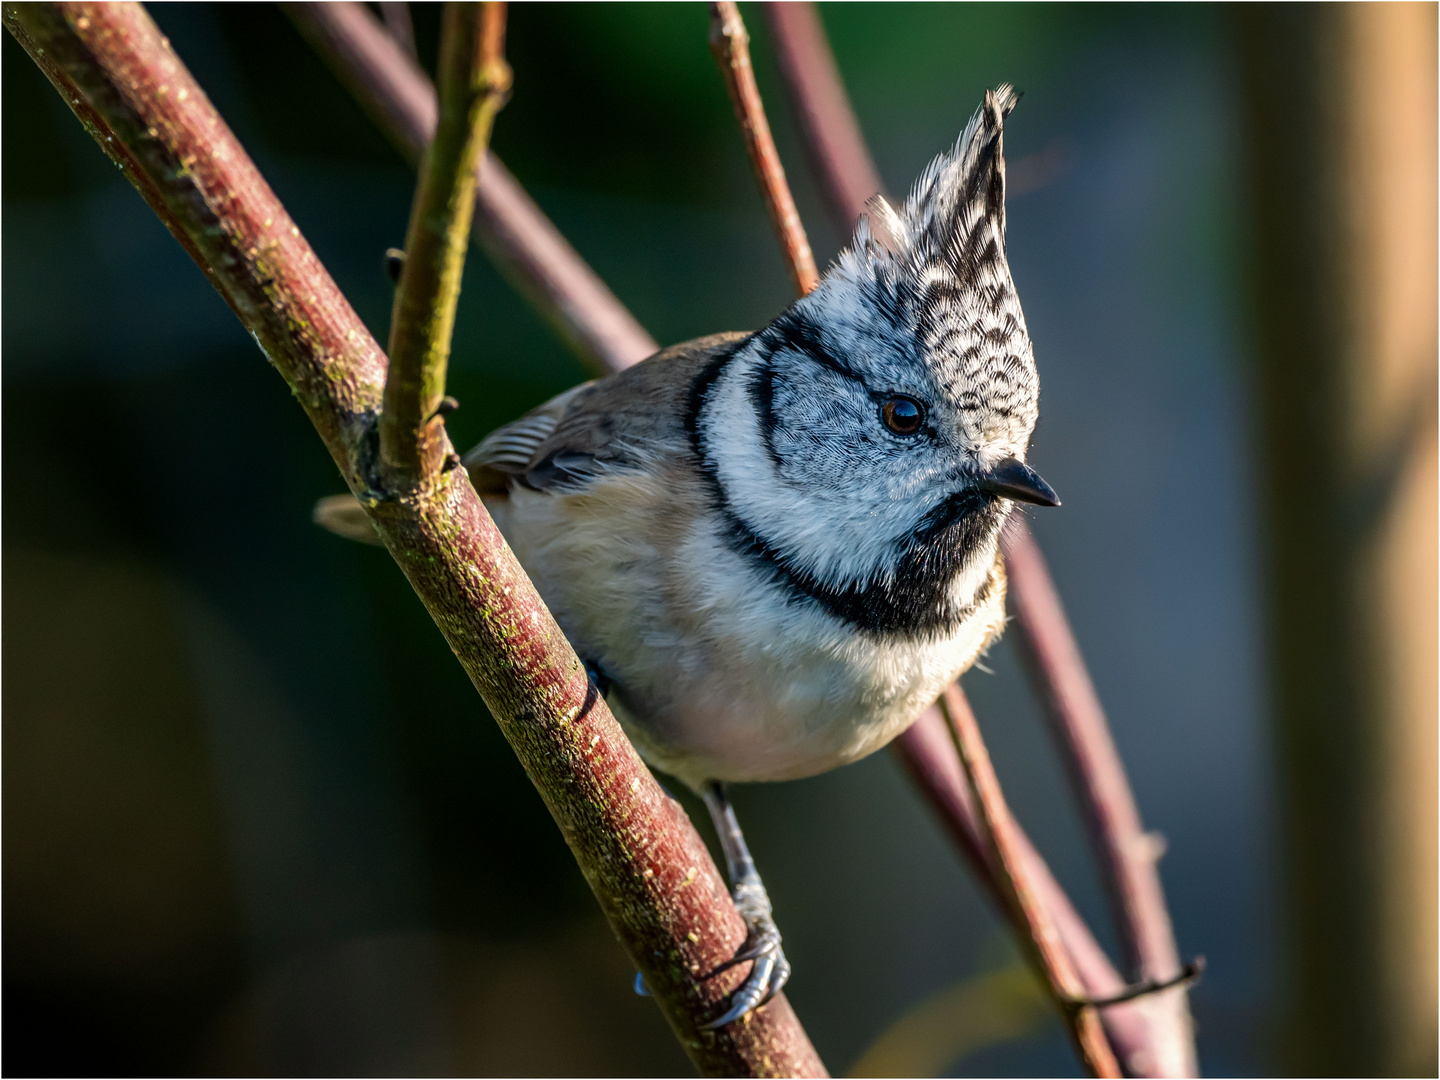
{"points": [[915, 600]]}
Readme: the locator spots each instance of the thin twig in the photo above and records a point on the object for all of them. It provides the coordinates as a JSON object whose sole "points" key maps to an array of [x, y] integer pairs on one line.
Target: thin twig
{"points": [[1188, 976], [649, 869], [927, 752], [829, 131], [515, 233], [1125, 851], [1047, 948], [474, 83], [731, 46]]}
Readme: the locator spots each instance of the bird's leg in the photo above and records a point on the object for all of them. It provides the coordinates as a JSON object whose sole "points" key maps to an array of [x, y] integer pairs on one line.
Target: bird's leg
{"points": [[771, 970]]}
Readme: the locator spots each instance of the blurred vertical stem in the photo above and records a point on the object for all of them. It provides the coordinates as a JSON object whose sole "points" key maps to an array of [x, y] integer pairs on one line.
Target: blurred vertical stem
{"points": [[1340, 107], [474, 82]]}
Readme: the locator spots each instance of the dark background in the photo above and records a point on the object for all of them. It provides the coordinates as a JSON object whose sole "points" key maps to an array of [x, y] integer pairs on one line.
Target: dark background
{"points": [[256, 819]]}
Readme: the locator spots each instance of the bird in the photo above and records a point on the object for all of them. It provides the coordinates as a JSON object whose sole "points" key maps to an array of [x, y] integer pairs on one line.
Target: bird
{"points": [[774, 549]]}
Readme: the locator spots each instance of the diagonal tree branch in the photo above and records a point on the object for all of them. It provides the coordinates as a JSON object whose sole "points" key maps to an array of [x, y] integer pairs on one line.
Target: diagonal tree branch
{"points": [[927, 751], [1126, 853], [649, 869], [730, 43], [515, 234], [1047, 947], [474, 83], [396, 14]]}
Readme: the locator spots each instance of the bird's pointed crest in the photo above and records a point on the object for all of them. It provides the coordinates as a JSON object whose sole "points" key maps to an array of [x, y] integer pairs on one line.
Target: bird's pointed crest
{"points": [[930, 279], [956, 205]]}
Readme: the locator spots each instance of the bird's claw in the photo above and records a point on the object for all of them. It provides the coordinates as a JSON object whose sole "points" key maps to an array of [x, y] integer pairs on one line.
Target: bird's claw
{"points": [[770, 970]]}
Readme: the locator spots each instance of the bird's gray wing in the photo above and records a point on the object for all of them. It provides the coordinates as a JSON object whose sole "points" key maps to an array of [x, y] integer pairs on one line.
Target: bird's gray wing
{"points": [[634, 418], [573, 437], [509, 451]]}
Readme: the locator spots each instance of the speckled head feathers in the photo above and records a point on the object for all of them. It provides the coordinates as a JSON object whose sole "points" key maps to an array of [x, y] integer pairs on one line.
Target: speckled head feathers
{"points": [[936, 270]]}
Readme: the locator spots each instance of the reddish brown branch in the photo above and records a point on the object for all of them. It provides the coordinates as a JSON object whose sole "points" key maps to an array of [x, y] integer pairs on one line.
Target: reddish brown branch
{"points": [[1021, 896], [1126, 852], [401, 26], [514, 232], [647, 866], [731, 45], [927, 751]]}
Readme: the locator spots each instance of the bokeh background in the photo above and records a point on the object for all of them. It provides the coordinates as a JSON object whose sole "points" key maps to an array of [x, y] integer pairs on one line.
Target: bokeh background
{"points": [[256, 819]]}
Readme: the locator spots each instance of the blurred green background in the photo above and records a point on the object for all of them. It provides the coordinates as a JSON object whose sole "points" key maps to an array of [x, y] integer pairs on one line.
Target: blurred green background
{"points": [[256, 819]]}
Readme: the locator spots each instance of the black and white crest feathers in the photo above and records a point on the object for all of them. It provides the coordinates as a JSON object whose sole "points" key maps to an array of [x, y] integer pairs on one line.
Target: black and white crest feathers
{"points": [[958, 194]]}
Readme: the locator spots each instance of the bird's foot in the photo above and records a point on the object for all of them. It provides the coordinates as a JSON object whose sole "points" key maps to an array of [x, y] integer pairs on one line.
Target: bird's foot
{"points": [[770, 970]]}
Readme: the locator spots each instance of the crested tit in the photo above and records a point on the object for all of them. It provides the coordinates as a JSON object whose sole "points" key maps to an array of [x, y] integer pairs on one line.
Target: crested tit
{"points": [[773, 550]]}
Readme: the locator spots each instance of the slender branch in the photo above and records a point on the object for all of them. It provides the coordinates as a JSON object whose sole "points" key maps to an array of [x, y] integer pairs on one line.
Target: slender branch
{"points": [[1125, 851], [1046, 946], [515, 233], [927, 751], [649, 869], [731, 45], [474, 83], [830, 134]]}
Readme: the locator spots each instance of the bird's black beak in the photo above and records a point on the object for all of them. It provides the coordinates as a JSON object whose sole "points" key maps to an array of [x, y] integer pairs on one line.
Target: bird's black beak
{"points": [[1013, 479]]}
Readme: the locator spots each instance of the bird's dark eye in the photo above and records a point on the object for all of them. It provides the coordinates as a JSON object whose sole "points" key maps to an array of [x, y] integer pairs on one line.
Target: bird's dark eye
{"points": [[902, 415]]}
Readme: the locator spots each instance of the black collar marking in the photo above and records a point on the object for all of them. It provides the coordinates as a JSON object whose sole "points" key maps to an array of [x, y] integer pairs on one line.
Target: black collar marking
{"points": [[915, 601]]}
